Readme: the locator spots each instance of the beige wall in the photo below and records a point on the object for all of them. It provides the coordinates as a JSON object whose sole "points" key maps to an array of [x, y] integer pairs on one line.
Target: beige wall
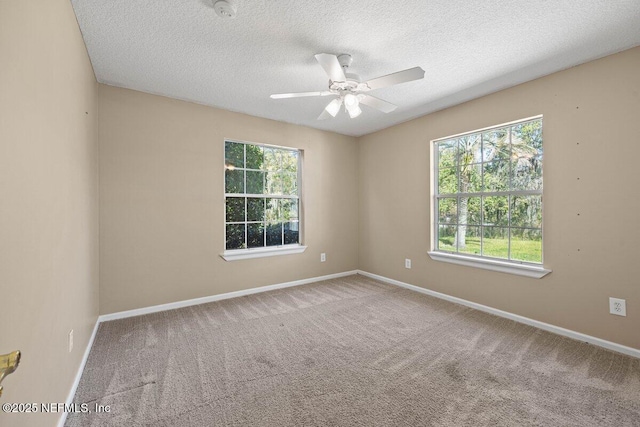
{"points": [[591, 168], [162, 201], [48, 201]]}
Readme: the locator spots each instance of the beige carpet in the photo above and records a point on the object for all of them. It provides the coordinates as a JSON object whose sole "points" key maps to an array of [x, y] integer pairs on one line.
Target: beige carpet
{"points": [[349, 352]]}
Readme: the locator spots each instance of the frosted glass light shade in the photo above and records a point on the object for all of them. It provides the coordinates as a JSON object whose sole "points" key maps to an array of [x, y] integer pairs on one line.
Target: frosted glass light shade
{"points": [[334, 107]]}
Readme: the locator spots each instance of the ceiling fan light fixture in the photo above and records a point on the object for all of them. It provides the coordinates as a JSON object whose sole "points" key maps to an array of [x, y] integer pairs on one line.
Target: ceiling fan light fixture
{"points": [[352, 104], [354, 111], [333, 107], [350, 100]]}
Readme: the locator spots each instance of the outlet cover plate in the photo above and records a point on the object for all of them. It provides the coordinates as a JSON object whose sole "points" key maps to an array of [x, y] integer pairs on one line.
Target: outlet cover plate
{"points": [[618, 306], [407, 263], [323, 257]]}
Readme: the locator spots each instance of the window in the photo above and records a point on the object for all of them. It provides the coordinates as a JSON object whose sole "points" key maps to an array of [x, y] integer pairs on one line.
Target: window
{"points": [[262, 200], [488, 196]]}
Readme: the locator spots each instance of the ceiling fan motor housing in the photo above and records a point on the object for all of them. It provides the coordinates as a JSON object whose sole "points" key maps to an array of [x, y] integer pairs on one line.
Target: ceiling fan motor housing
{"points": [[352, 84]]}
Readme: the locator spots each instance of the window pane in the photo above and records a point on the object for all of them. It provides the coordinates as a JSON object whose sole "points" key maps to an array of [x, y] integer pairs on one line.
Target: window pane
{"points": [[274, 234], [272, 159], [293, 213], [234, 154], [495, 145], [288, 209], [255, 209], [526, 173], [255, 235], [290, 161], [255, 157], [495, 242], [470, 150], [526, 244], [495, 210], [471, 178], [447, 181], [274, 183], [284, 210], [255, 182], [469, 211], [469, 239], [496, 176], [526, 163], [447, 154], [289, 184], [272, 213], [291, 232], [529, 134], [446, 238], [448, 210], [235, 236], [234, 181], [235, 209], [526, 211]]}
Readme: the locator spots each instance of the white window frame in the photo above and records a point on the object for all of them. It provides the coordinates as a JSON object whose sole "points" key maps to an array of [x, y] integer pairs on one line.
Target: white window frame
{"points": [[522, 268], [264, 251]]}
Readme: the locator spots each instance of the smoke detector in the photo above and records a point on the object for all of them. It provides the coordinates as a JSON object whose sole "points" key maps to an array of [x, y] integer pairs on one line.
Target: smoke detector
{"points": [[224, 9]]}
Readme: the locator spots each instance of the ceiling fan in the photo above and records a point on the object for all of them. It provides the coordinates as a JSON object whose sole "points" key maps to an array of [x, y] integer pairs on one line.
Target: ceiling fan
{"points": [[348, 88]]}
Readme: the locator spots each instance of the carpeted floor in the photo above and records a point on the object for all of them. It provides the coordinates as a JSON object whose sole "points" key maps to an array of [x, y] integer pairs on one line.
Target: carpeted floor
{"points": [[349, 352]]}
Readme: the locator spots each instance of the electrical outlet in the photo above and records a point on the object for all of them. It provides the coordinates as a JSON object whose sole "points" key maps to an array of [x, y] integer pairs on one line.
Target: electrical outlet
{"points": [[323, 257], [618, 306], [407, 263], [70, 340]]}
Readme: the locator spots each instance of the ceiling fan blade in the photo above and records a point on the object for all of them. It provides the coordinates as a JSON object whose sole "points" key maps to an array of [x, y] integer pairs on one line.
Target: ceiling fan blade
{"points": [[377, 103], [411, 74], [299, 94], [331, 66]]}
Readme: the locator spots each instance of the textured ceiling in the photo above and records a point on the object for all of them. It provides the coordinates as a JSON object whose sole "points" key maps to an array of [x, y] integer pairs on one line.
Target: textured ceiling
{"points": [[182, 49]]}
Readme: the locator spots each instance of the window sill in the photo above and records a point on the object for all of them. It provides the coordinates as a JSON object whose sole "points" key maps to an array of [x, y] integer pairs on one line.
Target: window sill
{"points": [[493, 265], [239, 254]]}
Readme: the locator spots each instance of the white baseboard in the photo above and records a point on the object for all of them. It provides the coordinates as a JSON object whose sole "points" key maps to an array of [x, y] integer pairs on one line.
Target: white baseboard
{"points": [[203, 300], [76, 381], [630, 351]]}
